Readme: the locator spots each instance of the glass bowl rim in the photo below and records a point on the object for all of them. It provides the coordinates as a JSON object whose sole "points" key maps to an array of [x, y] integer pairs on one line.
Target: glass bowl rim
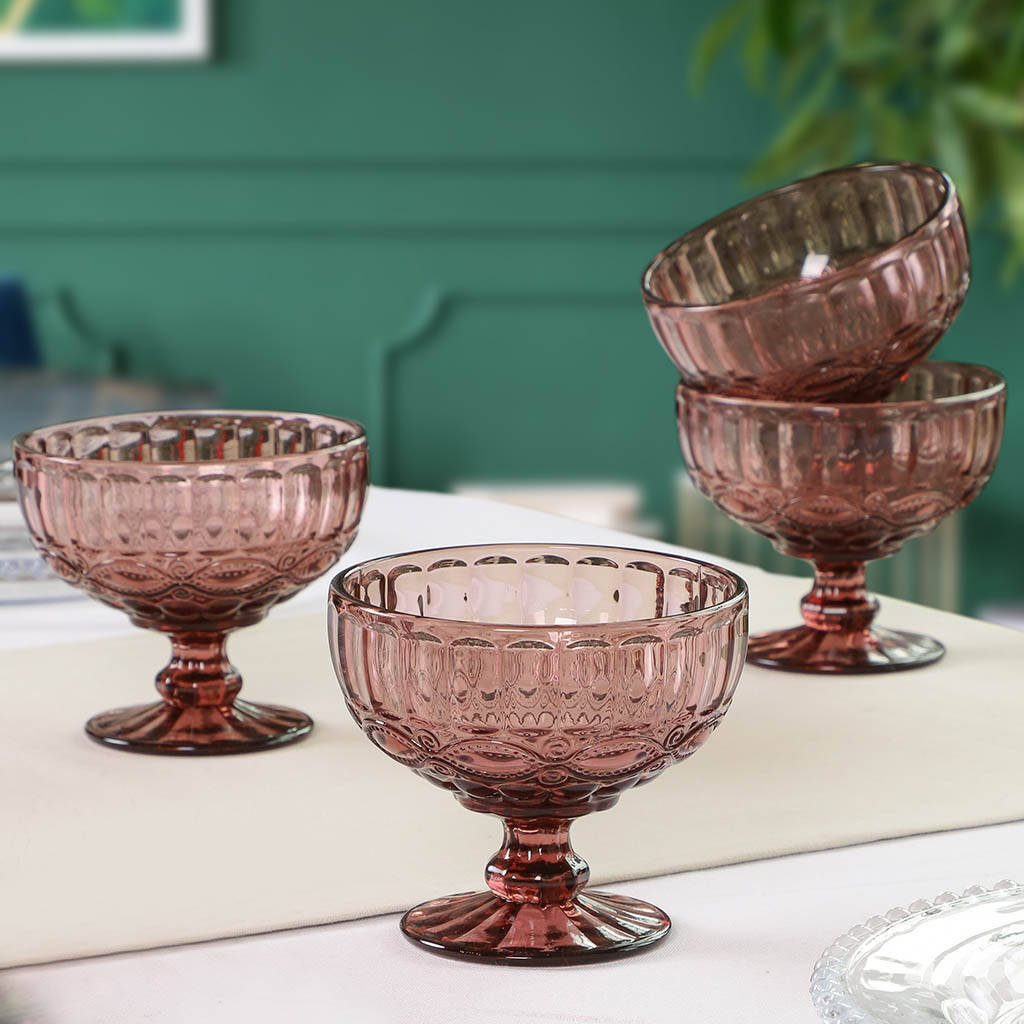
{"points": [[996, 387], [337, 591], [862, 265], [829, 991], [21, 443]]}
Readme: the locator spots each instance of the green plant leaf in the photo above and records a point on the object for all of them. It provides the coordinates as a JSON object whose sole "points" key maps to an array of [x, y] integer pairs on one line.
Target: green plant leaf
{"points": [[953, 153], [1012, 64], [796, 135], [714, 39], [805, 55], [797, 147], [1009, 160], [894, 135], [755, 54], [780, 19], [987, 106], [838, 138], [865, 52], [956, 44], [931, 80]]}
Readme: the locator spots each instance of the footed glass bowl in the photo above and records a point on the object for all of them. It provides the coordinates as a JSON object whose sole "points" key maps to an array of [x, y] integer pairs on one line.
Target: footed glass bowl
{"points": [[841, 485], [950, 960], [826, 289], [195, 524], [537, 682]]}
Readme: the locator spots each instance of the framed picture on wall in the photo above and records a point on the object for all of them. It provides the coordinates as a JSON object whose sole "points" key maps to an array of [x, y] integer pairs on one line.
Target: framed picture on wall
{"points": [[104, 30]]}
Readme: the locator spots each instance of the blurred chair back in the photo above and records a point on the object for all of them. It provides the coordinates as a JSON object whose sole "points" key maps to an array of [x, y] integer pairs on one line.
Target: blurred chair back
{"points": [[18, 348]]}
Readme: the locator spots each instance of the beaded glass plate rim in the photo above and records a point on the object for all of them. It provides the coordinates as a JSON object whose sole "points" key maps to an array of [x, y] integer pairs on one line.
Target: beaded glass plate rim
{"points": [[830, 993]]}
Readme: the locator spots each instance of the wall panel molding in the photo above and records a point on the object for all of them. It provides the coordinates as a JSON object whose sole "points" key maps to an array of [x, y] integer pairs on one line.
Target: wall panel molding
{"points": [[412, 164], [333, 232], [434, 306], [535, 199]]}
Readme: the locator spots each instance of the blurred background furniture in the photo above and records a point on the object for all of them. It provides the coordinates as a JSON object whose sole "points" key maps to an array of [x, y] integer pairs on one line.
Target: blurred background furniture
{"points": [[17, 335], [38, 397], [927, 570], [34, 394], [616, 505]]}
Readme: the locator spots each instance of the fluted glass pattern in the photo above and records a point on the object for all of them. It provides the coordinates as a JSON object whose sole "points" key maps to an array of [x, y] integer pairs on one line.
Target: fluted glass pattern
{"points": [[198, 518], [537, 682], [538, 677], [194, 524], [828, 288], [848, 482], [843, 484]]}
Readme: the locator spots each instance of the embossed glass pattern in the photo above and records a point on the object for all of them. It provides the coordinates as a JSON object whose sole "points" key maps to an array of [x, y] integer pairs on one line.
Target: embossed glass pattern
{"points": [[828, 288], [195, 524], [951, 960], [840, 485], [537, 683]]}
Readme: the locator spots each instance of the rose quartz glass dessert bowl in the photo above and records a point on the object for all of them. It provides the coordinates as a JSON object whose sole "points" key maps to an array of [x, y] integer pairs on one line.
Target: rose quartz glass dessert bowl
{"points": [[829, 288], [195, 524], [841, 485], [537, 682]]}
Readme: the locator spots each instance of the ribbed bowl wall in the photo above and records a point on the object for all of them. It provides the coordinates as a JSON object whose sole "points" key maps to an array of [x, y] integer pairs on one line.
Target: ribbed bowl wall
{"points": [[180, 521], [847, 482], [729, 305], [550, 711]]}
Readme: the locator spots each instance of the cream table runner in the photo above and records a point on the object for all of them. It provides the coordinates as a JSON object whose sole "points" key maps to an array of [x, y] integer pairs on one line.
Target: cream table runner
{"points": [[102, 851]]}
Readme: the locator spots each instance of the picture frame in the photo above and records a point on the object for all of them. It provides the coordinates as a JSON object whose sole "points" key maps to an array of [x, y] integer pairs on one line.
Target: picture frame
{"points": [[104, 31]]}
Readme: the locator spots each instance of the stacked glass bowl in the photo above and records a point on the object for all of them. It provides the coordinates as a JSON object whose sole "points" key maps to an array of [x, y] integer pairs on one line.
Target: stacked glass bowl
{"points": [[799, 322]]}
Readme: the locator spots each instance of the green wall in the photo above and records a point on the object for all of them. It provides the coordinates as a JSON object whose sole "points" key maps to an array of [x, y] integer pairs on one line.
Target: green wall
{"points": [[432, 217]]}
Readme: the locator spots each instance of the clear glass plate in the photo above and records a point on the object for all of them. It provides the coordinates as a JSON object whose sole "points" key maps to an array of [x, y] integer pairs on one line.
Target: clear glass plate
{"points": [[953, 959]]}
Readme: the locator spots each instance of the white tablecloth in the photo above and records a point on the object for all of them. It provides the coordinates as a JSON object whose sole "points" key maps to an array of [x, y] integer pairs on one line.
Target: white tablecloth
{"points": [[743, 942], [744, 938]]}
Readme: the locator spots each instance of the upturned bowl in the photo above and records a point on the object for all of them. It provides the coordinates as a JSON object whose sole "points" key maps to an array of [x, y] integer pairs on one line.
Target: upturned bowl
{"points": [[825, 289]]}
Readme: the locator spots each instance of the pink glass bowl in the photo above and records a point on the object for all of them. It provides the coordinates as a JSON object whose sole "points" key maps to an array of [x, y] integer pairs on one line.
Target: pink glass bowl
{"points": [[826, 289], [840, 485], [195, 524], [537, 682]]}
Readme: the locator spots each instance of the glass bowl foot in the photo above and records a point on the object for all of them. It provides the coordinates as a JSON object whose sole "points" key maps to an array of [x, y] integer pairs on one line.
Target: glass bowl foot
{"points": [[483, 926], [165, 728], [803, 649]]}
